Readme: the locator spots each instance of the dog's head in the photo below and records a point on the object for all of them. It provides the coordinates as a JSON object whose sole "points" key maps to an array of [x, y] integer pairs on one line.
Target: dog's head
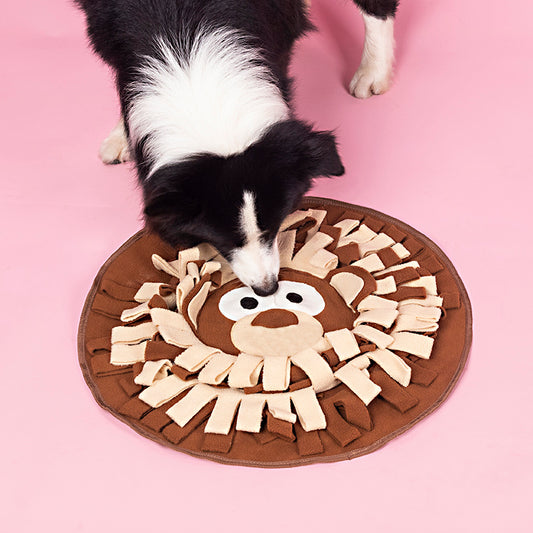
{"points": [[237, 203]]}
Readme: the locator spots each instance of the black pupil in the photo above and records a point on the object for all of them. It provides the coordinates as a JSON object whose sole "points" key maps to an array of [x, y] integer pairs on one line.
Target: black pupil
{"points": [[249, 302], [294, 298]]}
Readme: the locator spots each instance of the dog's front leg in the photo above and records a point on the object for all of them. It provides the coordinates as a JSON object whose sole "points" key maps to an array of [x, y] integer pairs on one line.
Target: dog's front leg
{"points": [[374, 74]]}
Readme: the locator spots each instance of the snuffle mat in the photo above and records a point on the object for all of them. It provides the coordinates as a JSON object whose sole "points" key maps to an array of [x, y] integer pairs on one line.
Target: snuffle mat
{"points": [[367, 334]]}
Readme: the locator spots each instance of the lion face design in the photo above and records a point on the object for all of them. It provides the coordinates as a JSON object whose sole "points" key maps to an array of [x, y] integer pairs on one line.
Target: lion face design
{"points": [[346, 300]]}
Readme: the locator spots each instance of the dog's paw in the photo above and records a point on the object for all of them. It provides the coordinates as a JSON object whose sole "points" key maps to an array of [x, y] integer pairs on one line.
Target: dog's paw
{"points": [[114, 149], [370, 80]]}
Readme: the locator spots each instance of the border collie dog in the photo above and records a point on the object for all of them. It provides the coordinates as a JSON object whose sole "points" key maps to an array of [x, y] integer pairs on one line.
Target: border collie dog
{"points": [[205, 99]]}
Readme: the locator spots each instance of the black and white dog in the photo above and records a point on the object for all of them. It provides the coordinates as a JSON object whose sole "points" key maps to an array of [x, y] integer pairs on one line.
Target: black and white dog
{"points": [[206, 116]]}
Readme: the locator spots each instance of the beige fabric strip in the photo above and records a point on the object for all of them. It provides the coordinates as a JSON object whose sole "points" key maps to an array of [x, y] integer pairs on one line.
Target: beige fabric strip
{"points": [[383, 317], [359, 383], [286, 241], [195, 357], [401, 251], [185, 257], [210, 268], [371, 262], [347, 226], [395, 367], [301, 259], [412, 323], [147, 290], [185, 286], [133, 334], [308, 409], [130, 315], [380, 241], [197, 302], [279, 406], [319, 215], [316, 368], [362, 235], [224, 411], [428, 301], [193, 271], [164, 390], [293, 218], [127, 354], [428, 282], [251, 413], [168, 267], [324, 259], [322, 345], [385, 285], [412, 343], [173, 328], [422, 312], [375, 302], [217, 368], [197, 398], [276, 373], [153, 371], [411, 264], [348, 285], [245, 372], [343, 342], [380, 339]]}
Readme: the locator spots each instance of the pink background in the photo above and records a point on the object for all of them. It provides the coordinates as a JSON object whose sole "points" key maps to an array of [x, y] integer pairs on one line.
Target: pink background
{"points": [[447, 150]]}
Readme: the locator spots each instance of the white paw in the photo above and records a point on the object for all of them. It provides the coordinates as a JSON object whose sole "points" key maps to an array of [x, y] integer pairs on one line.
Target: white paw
{"points": [[370, 80], [114, 149]]}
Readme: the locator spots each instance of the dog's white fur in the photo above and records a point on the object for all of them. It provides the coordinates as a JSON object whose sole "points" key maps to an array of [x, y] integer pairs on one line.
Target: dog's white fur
{"points": [[218, 100], [374, 74], [256, 263]]}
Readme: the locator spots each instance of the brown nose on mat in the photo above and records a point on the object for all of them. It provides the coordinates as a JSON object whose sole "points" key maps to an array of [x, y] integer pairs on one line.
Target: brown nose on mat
{"points": [[382, 348], [275, 318]]}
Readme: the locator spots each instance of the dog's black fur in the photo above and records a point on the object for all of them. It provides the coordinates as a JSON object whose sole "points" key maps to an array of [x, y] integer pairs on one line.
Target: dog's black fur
{"points": [[199, 199]]}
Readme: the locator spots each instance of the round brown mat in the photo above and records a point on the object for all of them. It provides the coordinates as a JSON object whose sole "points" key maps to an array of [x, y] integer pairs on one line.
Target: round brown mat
{"points": [[367, 335]]}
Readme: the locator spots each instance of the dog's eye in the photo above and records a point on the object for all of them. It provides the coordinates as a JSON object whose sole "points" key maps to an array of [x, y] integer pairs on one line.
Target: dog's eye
{"points": [[299, 297], [241, 302], [249, 303]]}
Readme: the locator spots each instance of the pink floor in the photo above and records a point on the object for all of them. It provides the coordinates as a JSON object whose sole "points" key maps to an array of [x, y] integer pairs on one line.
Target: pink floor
{"points": [[447, 150]]}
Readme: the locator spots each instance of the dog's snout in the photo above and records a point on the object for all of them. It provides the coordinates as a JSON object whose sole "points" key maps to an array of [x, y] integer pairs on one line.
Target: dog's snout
{"points": [[275, 318], [267, 288]]}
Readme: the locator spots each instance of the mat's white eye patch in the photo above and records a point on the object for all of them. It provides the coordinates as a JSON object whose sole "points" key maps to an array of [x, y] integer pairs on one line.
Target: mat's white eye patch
{"points": [[242, 302], [300, 297], [292, 295]]}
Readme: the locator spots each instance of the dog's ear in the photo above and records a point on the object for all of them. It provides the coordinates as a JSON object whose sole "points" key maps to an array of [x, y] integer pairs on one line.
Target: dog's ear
{"points": [[324, 159], [299, 149]]}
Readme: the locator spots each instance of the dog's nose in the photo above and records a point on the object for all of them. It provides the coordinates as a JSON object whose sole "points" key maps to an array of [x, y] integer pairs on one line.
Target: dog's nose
{"points": [[267, 288], [275, 318]]}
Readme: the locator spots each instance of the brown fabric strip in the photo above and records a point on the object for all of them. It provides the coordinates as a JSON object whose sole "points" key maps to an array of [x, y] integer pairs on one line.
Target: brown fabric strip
{"points": [[129, 387], [176, 434], [419, 374], [281, 428], [348, 253], [307, 442], [214, 442], [391, 392], [118, 291], [134, 408], [341, 431], [99, 344], [389, 257], [403, 293], [451, 300]]}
